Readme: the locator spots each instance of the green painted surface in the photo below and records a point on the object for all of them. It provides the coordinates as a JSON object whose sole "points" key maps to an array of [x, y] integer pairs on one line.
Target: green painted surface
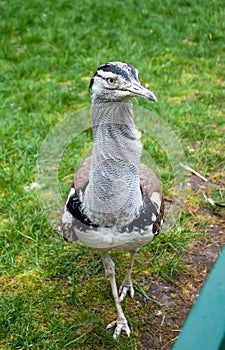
{"points": [[222, 345], [204, 328]]}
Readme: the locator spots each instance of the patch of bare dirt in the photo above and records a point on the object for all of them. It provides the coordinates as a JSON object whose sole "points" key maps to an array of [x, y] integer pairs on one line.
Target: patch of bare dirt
{"points": [[175, 299]]}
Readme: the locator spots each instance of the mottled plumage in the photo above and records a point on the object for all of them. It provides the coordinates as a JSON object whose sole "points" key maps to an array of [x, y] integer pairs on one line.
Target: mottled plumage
{"points": [[115, 203]]}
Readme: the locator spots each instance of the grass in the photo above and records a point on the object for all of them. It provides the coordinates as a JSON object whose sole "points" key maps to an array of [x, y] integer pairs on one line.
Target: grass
{"points": [[53, 294]]}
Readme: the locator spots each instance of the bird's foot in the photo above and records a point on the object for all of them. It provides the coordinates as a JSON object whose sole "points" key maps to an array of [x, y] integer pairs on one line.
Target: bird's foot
{"points": [[124, 289], [120, 325]]}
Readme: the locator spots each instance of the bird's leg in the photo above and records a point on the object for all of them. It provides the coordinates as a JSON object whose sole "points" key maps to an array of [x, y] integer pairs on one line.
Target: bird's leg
{"points": [[121, 322], [127, 285]]}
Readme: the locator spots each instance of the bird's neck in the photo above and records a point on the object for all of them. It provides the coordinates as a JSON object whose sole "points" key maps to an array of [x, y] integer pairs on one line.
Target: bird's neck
{"points": [[113, 196]]}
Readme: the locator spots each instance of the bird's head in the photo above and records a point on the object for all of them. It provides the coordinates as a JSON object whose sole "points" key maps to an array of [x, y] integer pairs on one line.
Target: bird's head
{"points": [[117, 81]]}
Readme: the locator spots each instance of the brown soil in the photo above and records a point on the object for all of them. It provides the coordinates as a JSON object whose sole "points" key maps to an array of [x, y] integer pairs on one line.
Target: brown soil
{"points": [[177, 298]]}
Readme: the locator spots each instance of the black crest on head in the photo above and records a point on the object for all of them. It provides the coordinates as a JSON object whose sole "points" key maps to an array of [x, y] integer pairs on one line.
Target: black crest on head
{"points": [[125, 70]]}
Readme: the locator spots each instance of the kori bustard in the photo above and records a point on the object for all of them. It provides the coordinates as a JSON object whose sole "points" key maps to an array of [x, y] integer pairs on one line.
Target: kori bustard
{"points": [[115, 202]]}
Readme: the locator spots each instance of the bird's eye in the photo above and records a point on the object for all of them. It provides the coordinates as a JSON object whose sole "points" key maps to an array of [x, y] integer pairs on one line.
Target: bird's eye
{"points": [[111, 81]]}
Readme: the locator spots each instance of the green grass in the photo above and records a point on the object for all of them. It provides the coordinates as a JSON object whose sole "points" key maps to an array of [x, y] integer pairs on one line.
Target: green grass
{"points": [[54, 295]]}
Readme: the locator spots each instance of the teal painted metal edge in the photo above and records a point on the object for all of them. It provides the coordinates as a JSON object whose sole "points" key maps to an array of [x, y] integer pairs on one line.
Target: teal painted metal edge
{"points": [[204, 328]]}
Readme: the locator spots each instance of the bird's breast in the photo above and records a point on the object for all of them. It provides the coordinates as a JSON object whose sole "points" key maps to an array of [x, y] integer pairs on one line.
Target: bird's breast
{"points": [[113, 195]]}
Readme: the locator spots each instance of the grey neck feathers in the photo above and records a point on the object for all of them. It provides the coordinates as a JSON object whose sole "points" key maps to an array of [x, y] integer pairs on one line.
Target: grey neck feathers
{"points": [[113, 195]]}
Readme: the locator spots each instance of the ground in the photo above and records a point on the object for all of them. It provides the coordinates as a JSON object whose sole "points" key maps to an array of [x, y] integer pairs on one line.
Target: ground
{"points": [[54, 295], [177, 297]]}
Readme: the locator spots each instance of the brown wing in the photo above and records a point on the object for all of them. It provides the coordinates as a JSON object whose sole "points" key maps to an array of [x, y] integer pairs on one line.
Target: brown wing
{"points": [[82, 175], [150, 185], [66, 222]]}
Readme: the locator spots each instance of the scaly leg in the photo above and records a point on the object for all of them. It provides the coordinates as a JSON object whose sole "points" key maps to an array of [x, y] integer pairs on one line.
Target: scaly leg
{"points": [[121, 322], [127, 285]]}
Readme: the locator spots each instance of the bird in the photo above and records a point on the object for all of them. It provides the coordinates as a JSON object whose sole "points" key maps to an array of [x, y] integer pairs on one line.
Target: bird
{"points": [[115, 202]]}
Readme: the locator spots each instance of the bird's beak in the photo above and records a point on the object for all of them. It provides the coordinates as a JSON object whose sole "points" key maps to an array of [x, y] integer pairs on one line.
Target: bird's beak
{"points": [[139, 90]]}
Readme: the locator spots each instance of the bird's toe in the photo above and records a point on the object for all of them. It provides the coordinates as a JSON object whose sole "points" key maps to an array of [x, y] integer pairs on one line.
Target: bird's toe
{"points": [[120, 325]]}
